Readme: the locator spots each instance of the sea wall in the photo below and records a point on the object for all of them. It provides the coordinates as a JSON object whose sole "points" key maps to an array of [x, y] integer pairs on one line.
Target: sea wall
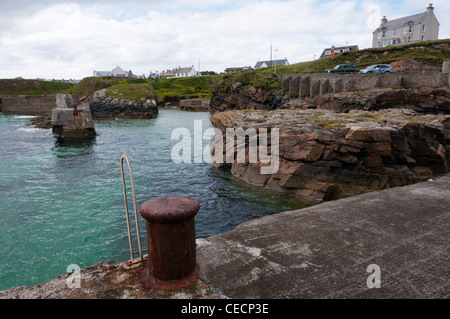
{"points": [[200, 105], [28, 104], [312, 85]]}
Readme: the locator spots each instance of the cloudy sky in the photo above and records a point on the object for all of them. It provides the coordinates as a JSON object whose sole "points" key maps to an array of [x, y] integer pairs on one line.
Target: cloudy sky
{"points": [[69, 39]]}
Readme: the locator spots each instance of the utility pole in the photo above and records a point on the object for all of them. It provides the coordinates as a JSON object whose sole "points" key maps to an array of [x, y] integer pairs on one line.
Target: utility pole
{"points": [[271, 63], [275, 61]]}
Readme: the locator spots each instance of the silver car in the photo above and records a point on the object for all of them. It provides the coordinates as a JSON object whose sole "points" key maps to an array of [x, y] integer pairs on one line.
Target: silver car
{"points": [[377, 68]]}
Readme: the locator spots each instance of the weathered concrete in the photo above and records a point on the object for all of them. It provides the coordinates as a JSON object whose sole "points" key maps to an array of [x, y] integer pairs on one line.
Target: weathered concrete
{"points": [[71, 119], [324, 251], [319, 252], [199, 105], [347, 82]]}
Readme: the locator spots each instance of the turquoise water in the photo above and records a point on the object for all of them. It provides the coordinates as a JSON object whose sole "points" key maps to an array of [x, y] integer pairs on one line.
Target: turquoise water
{"points": [[62, 203]]}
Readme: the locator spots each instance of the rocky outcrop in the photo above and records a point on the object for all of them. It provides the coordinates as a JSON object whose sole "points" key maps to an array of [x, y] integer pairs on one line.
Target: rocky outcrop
{"points": [[108, 108], [242, 97], [325, 155], [423, 100]]}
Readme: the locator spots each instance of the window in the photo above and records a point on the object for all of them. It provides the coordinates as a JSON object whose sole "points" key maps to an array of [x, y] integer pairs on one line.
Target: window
{"points": [[409, 39], [404, 39], [410, 28], [405, 30], [395, 33], [384, 34], [379, 35], [423, 38], [423, 28]]}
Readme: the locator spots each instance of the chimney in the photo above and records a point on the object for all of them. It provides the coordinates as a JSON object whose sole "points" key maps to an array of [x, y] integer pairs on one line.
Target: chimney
{"points": [[430, 8], [384, 20]]}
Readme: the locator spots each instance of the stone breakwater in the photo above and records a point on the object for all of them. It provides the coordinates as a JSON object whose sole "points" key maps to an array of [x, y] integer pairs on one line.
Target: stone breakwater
{"points": [[324, 155], [110, 108]]}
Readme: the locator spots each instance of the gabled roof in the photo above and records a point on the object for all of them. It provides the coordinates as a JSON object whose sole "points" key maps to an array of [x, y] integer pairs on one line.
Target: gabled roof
{"points": [[184, 70], [402, 22], [349, 47], [271, 63], [118, 70]]}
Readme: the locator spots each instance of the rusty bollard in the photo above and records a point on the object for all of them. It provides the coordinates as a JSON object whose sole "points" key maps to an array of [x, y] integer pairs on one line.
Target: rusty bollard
{"points": [[171, 244]]}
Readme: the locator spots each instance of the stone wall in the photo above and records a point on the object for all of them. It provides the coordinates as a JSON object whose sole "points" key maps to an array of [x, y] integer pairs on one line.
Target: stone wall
{"points": [[28, 104], [312, 85], [201, 105]]}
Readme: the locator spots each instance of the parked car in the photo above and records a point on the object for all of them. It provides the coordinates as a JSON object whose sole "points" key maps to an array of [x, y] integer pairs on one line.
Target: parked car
{"points": [[344, 68], [377, 68]]}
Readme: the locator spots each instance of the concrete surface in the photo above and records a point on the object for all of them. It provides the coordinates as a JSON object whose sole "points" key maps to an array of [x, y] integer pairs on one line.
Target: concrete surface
{"points": [[322, 251]]}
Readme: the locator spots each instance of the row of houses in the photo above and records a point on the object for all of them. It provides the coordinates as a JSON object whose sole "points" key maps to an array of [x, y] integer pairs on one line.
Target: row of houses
{"points": [[414, 28], [181, 72]]}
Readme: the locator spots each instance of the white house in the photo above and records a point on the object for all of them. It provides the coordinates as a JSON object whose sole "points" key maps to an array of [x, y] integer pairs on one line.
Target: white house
{"points": [[179, 72], [265, 64], [415, 28], [117, 72], [338, 50]]}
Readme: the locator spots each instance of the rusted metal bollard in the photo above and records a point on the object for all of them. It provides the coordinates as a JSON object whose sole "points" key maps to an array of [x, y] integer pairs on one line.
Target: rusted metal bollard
{"points": [[170, 242]]}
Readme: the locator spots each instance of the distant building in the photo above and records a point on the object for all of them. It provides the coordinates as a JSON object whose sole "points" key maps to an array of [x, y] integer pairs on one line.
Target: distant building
{"points": [[265, 64], [338, 50], [117, 72], [179, 72], [415, 28], [237, 69]]}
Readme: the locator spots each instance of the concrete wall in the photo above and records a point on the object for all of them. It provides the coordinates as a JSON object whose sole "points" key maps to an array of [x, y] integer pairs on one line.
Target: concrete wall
{"points": [[28, 104], [323, 83], [195, 102]]}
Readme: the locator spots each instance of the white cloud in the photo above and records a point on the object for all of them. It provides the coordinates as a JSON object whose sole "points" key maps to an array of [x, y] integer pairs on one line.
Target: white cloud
{"points": [[67, 40]]}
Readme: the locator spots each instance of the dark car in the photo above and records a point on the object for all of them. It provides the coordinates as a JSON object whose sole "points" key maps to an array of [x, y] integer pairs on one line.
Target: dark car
{"points": [[377, 68], [344, 68]]}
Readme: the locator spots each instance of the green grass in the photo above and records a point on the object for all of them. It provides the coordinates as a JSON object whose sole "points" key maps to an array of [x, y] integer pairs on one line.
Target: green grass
{"points": [[131, 91], [32, 87], [431, 53], [189, 87]]}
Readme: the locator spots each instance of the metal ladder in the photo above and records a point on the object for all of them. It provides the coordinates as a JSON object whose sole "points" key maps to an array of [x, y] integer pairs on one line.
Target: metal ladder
{"points": [[124, 156]]}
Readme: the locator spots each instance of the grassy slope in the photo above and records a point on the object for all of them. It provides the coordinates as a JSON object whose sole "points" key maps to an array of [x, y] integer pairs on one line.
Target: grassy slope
{"points": [[190, 87], [431, 53], [31, 87]]}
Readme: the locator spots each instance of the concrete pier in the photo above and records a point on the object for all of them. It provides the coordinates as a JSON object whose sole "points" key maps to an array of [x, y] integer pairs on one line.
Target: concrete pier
{"points": [[72, 119]]}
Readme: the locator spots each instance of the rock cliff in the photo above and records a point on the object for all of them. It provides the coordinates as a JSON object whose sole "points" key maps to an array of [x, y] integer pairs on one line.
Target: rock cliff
{"points": [[109, 108], [423, 100], [240, 97], [324, 155]]}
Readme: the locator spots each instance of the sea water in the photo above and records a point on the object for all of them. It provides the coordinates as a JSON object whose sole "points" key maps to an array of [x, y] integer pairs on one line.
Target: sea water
{"points": [[61, 202]]}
